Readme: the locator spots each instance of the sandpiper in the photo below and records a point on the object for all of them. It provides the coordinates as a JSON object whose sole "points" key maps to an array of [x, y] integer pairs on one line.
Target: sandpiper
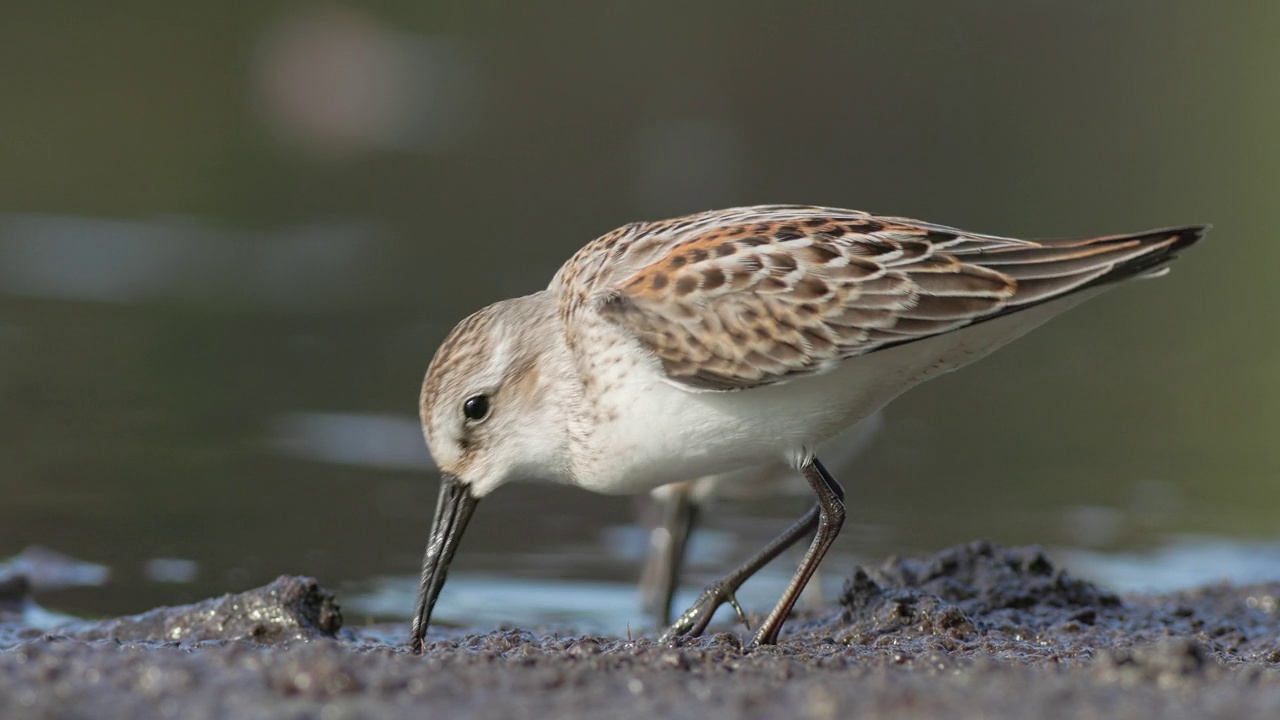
{"points": [[701, 344]]}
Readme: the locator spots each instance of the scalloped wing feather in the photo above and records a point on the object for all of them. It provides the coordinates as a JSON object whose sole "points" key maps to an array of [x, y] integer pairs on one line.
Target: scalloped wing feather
{"points": [[753, 296]]}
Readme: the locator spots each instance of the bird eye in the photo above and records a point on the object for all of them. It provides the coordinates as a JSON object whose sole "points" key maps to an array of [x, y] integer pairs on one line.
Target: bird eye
{"points": [[476, 407]]}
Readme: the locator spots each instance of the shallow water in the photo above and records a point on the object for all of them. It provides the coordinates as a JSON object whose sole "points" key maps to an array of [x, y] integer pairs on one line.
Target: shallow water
{"points": [[486, 600]]}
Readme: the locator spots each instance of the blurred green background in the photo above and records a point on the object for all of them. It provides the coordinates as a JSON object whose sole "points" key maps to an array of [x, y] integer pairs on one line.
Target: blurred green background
{"points": [[232, 235]]}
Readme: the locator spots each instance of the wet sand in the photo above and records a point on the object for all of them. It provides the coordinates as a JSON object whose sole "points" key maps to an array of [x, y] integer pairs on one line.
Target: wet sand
{"points": [[974, 631]]}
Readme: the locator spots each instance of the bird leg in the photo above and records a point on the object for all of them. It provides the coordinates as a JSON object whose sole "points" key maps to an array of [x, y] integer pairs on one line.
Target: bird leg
{"points": [[695, 620], [831, 515], [670, 540]]}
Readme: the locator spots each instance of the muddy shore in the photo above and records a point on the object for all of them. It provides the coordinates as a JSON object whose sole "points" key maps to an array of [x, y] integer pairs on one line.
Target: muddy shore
{"points": [[974, 631]]}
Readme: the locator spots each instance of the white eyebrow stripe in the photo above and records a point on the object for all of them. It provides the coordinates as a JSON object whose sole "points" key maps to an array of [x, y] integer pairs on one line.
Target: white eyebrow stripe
{"points": [[499, 360]]}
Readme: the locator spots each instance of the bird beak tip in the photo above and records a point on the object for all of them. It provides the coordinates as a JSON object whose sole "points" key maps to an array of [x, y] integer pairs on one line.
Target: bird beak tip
{"points": [[454, 507]]}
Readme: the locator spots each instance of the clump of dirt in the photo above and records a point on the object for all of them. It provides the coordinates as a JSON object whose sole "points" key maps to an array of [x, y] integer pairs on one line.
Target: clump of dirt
{"points": [[290, 608], [980, 579], [969, 590], [982, 600]]}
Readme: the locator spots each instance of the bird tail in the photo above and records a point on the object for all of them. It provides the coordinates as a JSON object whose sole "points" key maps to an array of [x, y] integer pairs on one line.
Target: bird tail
{"points": [[1054, 268]]}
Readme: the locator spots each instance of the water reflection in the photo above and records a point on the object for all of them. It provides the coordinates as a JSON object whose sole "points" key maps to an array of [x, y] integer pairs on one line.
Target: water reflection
{"points": [[484, 600], [45, 569], [1182, 562], [89, 259], [369, 440], [171, 570], [613, 608]]}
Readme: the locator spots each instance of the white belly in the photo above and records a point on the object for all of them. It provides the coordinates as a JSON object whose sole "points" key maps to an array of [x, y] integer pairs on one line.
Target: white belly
{"points": [[778, 478]]}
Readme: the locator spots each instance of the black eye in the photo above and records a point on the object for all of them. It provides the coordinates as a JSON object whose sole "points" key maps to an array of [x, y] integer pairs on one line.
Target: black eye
{"points": [[476, 407]]}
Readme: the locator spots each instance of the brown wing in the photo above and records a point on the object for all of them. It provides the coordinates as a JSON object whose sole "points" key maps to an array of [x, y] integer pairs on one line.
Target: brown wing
{"points": [[775, 292]]}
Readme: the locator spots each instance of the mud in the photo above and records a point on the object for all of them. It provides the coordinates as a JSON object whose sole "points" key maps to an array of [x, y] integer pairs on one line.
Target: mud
{"points": [[975, 631]]}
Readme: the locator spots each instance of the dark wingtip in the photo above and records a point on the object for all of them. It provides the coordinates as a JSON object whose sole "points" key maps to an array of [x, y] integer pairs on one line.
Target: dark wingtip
{"points": [[1187, 236], [1183, 237]]}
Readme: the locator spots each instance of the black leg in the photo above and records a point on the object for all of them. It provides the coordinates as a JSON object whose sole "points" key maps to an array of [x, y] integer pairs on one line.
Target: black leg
{"points": [[668, 545], [697, 617], [830, 520]]}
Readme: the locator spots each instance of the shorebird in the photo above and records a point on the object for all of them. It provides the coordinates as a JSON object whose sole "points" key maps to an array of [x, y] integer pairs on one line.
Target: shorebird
{"points": [[732, 338], [680, 505]]}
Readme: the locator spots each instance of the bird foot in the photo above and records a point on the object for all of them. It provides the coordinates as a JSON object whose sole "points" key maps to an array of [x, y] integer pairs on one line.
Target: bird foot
{"points": [[695, 620]]}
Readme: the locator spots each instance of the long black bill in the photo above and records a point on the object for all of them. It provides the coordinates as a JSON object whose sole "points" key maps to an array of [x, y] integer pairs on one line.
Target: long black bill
{"points": [[453, 510]]}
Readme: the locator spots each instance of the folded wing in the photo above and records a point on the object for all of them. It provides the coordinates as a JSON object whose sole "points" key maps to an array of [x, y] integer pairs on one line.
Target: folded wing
{"points": [[775, 292]]}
